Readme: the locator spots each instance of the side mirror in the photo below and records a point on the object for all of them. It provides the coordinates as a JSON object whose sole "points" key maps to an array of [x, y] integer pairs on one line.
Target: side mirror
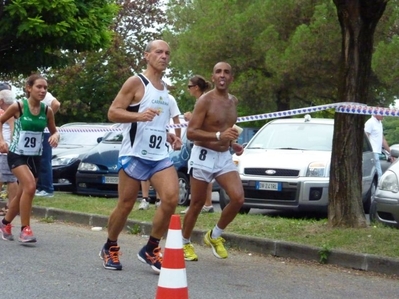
{"points": [[395, 153], [99, 139]]}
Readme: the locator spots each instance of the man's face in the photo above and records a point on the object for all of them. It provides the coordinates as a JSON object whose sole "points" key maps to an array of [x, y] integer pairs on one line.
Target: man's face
{"points": [[222, 75], [159, 55]]}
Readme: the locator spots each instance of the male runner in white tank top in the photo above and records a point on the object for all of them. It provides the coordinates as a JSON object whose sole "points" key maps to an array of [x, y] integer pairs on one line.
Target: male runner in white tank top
{"points": [[142, 105]]}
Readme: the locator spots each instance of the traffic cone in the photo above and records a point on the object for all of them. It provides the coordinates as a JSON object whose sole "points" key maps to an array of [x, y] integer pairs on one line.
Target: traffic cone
{"points": [[172, 283]]}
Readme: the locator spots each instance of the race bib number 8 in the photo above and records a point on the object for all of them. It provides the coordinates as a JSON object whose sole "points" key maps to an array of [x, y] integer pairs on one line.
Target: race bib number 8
{"points": [[202, 158]]}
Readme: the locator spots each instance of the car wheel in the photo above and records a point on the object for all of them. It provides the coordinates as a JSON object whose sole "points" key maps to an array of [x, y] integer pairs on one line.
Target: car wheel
{"points": [[370, 197], [184, 189], [373, 212], [224, 201]]}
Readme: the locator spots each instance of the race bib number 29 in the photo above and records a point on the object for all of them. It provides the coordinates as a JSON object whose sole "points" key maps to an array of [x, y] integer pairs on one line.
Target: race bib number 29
{"points": [[30, 143]]}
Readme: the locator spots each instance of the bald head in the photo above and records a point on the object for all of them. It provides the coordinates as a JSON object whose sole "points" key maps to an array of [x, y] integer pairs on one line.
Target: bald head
{"points": [[222, 65], [157, 55], [155, 43]]}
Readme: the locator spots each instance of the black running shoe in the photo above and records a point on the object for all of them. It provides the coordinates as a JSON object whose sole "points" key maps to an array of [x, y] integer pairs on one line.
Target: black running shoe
{"points": [[111, 258], [153, 259]]}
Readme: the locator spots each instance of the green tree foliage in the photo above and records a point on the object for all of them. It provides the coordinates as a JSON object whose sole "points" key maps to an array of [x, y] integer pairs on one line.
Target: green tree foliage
{"points": [[386, 55], [35, 33], [391, 129], [285, 53], [87, 86]]}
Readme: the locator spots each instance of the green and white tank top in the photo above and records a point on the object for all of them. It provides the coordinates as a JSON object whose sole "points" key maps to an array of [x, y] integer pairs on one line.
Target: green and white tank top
{"points": [[27, 138]]}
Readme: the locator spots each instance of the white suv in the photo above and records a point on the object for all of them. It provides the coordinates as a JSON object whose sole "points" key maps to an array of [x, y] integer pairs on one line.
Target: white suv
{"points": [[286, 166]]}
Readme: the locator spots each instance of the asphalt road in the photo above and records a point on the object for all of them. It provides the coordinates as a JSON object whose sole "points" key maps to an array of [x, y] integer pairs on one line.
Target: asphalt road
{"points": [[65, 264]]}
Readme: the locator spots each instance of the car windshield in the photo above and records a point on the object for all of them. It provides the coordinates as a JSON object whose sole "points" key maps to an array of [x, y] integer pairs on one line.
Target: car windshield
{"points": [[292, 136], [80, 138]]}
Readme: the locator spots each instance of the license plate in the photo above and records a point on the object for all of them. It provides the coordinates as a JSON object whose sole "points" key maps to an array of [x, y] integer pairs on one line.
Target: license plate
{"points": [[268, 186], [110, 180]]}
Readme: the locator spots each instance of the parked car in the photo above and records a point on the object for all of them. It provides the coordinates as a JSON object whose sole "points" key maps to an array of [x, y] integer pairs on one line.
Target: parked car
{"points": [[385, 206], [73, 144], [286, 166], [97, 172], [385, 160], [246, 134]]}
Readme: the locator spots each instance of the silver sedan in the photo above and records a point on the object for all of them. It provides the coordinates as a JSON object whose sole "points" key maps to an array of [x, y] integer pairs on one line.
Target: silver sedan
{"points": [[385, 206]]}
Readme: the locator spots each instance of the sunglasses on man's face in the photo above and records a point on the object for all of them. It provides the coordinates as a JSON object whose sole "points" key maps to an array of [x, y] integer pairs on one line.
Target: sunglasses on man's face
{"points": [[189, 86]]}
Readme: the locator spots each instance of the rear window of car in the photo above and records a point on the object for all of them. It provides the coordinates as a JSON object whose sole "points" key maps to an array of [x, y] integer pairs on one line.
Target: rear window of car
{"points": [[80, 138], [304, 136]]}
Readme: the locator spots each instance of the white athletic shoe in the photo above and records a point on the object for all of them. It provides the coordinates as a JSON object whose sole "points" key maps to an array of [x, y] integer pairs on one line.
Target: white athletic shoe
{"points": [[144, 205]]}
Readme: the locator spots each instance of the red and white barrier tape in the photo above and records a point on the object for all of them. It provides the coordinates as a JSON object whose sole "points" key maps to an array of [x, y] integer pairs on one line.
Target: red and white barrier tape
{"points": [[344, 107]]}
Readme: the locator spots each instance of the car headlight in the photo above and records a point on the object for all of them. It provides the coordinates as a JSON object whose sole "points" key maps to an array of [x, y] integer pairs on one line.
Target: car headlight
{"points": [[389, 182], [316, 169], [64, 160], [88, 167]]}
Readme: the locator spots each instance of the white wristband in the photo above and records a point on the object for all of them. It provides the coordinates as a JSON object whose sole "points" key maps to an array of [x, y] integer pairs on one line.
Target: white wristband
{"points": [[218, 135]]}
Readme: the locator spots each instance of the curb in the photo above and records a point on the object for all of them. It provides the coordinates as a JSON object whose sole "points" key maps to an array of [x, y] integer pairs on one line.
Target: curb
{"points": [[357, 261]]}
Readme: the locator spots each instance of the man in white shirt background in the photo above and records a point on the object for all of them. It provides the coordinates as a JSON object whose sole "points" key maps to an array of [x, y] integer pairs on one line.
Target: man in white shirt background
{"points": [[375, 132], [45, 183]]}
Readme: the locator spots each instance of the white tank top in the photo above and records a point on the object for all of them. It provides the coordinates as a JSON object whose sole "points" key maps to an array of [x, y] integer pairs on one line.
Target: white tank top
{"points": [[147, 140], [6, 130], [7, 133]]}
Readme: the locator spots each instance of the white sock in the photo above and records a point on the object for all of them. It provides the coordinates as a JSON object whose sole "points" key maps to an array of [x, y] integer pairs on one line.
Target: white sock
{"points": [[186, 241], [216, 232]]}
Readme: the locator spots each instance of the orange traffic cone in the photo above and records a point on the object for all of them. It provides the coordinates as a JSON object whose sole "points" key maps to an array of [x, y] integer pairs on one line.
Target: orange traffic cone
{"points": [[172, 283]]}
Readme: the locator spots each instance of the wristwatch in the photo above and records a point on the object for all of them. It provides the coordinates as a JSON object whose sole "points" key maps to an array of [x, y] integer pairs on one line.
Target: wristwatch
{"points": [[218, 135]]}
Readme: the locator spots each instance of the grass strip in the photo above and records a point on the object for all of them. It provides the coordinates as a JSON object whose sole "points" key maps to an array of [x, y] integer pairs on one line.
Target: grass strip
{"points": [[375, 239]]}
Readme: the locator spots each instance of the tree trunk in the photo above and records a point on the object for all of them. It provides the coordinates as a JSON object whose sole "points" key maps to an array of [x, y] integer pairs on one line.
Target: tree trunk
{"points": [[358, 20]]}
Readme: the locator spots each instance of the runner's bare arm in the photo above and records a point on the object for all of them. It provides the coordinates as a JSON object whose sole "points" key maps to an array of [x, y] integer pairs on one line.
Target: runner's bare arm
{"points": [[131, 92], [55, 136]]}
